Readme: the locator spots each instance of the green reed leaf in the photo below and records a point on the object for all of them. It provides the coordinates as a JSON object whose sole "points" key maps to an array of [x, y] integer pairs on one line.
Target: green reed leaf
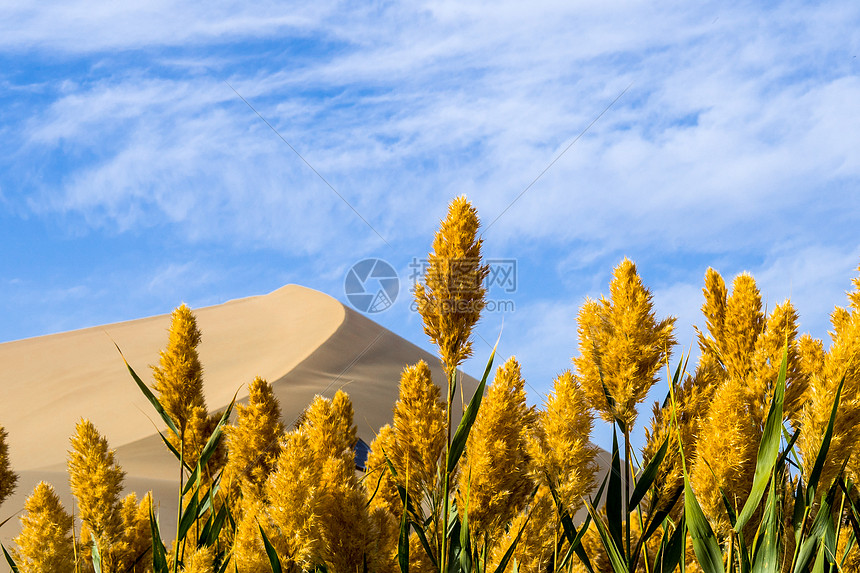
{"points": [[768, 450]]}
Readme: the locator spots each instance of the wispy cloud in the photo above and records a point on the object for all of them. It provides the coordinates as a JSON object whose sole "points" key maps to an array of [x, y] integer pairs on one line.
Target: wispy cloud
{"points": [[736, 142]]}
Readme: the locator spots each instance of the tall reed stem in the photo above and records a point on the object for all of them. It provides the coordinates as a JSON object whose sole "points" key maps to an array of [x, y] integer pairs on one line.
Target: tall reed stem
{"points": [[179, 510], [627, 485], [443, 559]]}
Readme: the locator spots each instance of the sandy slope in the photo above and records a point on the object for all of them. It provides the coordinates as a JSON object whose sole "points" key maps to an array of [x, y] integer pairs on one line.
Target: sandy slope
{"points": [[303, 341]]}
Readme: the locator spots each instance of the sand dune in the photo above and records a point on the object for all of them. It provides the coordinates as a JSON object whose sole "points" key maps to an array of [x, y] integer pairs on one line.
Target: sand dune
{"points": [[302, 341]]}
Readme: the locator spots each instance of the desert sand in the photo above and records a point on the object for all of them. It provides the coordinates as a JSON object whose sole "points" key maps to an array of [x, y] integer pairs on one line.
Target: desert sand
{"points": [[302, 341]]}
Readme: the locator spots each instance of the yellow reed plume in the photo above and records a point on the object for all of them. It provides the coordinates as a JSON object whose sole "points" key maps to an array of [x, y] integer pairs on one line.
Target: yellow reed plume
{"points": [[290, 512], [536, 548], [414, 446], [494, 479], [693, 399], [314, 508], [8, 478], [744, 321], [348, 538], [725, 454], [137, 535], [249, 553], [621, 339], [45, 542], [452, 296], [419, 428], [826, 370], [96, 482], [199, 560], [560, 448], [418, 560], [179, 385], [781, 329], [253, 443], [329, 425]]}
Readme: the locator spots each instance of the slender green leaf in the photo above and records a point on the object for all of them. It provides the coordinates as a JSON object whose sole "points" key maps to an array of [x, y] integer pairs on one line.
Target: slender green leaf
{"points": [[9, 559], [656, 519], [215, 438], [175, 452], [574, 537], [853, 517], [614, 511], [768, 450], [2, 523], [159, 554], [815, 475], [648, 475], [670, 552], [792, 439], [575, 546], [149, 395], [188, 515], [193, 480], [422, 537], [217, 525], [616, 559], [766, 559], [817, 533], [274, 560], [401, 491], [458, 442], [465, 536], [705, 543]]}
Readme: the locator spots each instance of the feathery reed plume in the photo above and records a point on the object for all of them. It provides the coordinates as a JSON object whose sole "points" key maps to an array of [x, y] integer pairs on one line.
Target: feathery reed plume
{"points": [[348, 538], [290, 514], [96, 482], [535, 551], [137, 535], [329, 426], [498, 440], [766, 359], [725, 454], [8, 478], [559, 446], [414, 445], [45, 542], [253, 443], [743, 323], [315, 510], [199, 560], [179, 385], [452, 296], [622, 346], [249, 553], [749, 346], [419, 428], [826, 370], [692, 398]]}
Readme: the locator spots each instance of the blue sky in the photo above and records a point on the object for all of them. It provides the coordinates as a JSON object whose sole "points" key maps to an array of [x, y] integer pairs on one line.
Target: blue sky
{"points": [[133, 178]]}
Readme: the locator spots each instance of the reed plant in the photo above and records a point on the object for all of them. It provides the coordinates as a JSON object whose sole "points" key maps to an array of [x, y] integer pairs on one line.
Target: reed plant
{"points": [[748, 464]]}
